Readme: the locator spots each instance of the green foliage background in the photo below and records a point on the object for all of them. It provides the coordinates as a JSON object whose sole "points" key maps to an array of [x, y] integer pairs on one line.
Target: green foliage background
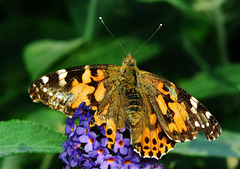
{"points": [[197, 48]]}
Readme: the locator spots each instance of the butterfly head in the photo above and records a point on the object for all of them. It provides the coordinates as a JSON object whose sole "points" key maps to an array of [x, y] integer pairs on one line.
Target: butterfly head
{"points": [[129, 61], [129, 69]]}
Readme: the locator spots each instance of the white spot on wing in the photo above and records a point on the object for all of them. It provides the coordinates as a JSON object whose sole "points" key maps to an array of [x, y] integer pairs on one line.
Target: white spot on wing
{"points": [[203, 126], [86, 67], [36, 89], [171, 149], [164, 153], [155, 157], [61, 76], [61, 71], [50, 94], [194, 102], [194, 110], [208, 114], [59, 96], [137, 152], [45, 79], [45, 89], [62, 82], [207, 124], [197, 124]]}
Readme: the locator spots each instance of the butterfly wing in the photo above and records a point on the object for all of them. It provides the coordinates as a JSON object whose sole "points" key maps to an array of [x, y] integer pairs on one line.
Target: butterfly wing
{"points": [[96, 85], [65, 89], [147, 136], [181, 115]]}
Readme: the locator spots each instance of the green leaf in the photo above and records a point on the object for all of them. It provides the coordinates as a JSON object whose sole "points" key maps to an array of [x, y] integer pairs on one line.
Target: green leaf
{"points": [[39, 56], [227, 145], [222, 81], [27, 137]]}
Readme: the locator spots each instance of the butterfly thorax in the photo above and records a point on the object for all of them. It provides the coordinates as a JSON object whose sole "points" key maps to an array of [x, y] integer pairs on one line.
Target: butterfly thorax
{"points": [[132, 99], [129, 72]]}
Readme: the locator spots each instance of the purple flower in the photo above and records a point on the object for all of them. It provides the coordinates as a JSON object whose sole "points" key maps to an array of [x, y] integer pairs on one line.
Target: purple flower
{"points": [[63, 157], [83, 129], [88, 162], [86, 146], [80, 110], [151, 164], [121, 144], [70, 130], [110, 161], [131, 162], [104, 142], [99, 154], [90, 140]]}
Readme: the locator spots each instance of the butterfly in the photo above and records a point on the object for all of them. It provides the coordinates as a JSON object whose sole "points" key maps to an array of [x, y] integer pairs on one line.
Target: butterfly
{"points": [[158, 113]]}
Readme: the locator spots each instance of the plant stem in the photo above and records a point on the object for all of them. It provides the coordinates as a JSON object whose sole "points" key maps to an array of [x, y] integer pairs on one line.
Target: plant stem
{"points": [[197, 58], [221, 36], [47, 161]]}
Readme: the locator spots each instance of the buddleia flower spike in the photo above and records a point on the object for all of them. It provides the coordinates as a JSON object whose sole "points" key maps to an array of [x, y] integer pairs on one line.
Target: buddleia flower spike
{"points": [[86, 146]]}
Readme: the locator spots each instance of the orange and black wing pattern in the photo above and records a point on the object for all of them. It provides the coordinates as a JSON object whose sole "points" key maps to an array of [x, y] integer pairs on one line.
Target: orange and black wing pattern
{"points": [[96, 85], [65, 89], [181, 115]]}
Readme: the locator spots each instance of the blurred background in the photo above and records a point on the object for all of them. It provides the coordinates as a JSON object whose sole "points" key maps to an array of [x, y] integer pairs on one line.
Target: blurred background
{"points": [[197, 48]]}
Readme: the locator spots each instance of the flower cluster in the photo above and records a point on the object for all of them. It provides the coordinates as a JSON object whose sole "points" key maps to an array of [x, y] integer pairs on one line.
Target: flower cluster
{"points": [[86, 146]]}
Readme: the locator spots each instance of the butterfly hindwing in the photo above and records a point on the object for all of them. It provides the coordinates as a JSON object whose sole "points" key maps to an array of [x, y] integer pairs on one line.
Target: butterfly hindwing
{"points": [[148, 137]]}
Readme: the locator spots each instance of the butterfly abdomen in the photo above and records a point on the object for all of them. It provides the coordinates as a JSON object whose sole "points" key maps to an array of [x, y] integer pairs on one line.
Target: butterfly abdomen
{"points": [[133, 105]]}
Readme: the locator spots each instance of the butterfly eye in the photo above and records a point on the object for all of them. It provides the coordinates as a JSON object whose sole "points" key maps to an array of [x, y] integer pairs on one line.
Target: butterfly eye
{"points": [[124, 61], [134, 61]]}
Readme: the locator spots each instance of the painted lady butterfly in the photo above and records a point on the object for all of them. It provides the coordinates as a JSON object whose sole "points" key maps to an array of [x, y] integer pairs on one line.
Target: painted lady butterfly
{"points": [[158, 112]]}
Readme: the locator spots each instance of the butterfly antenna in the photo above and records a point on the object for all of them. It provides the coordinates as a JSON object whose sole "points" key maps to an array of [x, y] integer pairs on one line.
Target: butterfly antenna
{"points": [[113, 35], [160, 25]]}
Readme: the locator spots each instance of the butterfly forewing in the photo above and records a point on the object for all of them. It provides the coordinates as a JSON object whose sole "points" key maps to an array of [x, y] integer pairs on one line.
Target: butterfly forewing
{"points": [[65, 89]]}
